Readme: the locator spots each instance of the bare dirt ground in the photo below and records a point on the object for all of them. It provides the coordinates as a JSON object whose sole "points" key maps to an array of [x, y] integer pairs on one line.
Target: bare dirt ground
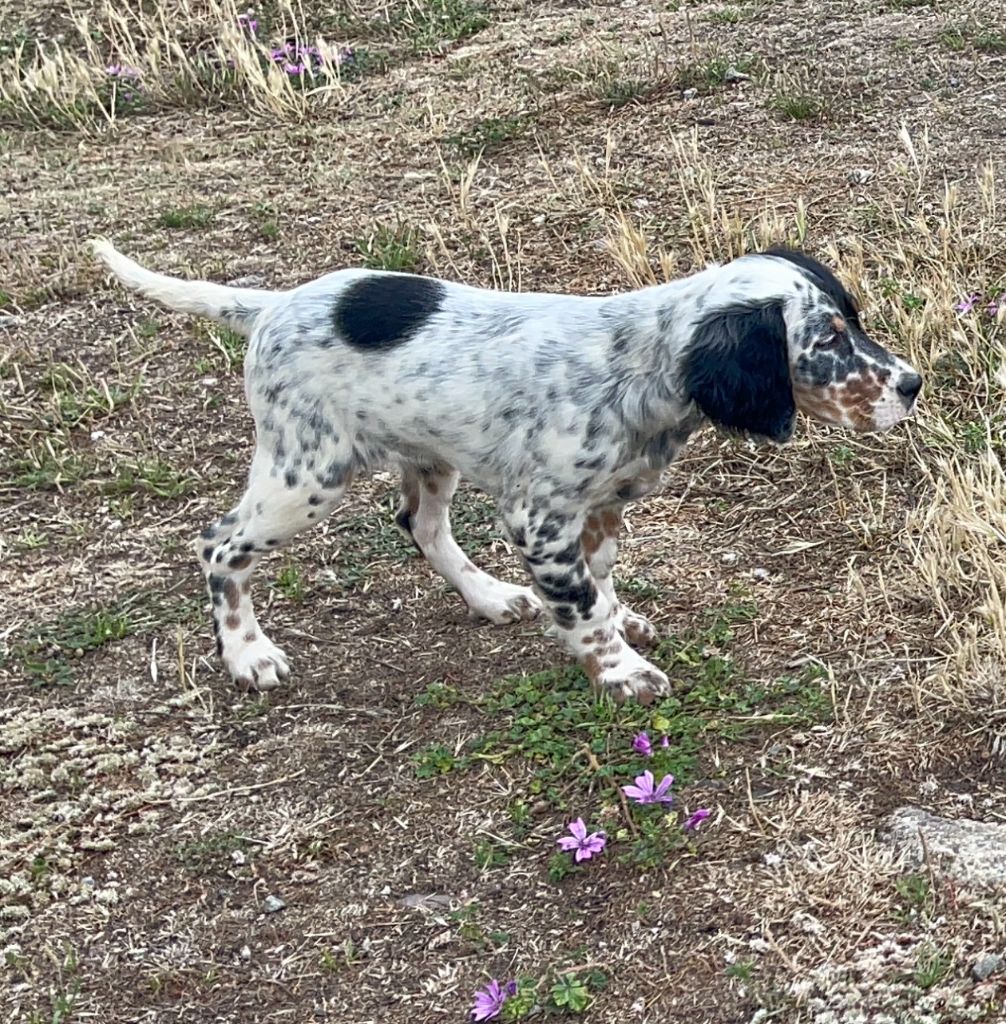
{"points": [[377, 840]]}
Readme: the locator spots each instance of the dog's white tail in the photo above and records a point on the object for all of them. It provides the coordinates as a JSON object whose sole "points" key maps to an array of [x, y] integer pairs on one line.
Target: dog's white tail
{"points": [[235, 307]]}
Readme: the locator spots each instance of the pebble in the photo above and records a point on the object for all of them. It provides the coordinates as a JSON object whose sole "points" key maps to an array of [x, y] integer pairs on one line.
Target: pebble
{"points": [[7, 320], [271, 904], [690, 94], [986, 966]]}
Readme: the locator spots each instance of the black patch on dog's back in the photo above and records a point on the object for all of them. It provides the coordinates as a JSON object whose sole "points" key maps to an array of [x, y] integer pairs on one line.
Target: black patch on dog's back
{"points": [[382, 311], [826, 280]]}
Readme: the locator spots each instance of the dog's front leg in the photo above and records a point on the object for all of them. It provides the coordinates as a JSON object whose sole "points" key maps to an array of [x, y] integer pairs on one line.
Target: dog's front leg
{"points": [[550, 541]]}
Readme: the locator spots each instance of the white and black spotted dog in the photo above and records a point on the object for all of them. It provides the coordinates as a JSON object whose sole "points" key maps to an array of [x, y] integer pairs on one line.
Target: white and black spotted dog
{"points": [[561, 407]]}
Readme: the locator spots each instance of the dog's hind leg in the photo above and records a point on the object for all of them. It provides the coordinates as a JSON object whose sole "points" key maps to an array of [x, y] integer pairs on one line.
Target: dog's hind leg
{"points": [[277, 504], [424, 515]]}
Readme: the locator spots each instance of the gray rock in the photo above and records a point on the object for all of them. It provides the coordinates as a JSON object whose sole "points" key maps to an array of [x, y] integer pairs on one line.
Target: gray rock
{"points": [[7, 320], [973, 852], [272, 903], [424, 901], [986, 966]]}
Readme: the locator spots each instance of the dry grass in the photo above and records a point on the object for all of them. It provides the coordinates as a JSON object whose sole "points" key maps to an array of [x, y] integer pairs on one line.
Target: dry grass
{"points": [[835, 610]]}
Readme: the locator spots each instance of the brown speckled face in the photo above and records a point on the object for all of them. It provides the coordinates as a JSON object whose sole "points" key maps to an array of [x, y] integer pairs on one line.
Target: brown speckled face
{"points": [[838, 373], [841, 376]]}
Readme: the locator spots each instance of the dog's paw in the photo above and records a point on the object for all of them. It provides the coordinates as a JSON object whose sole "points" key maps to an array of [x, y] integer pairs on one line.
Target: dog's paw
{"points": [[259, 665], [636, 628], [502, 603], [633, 678]]}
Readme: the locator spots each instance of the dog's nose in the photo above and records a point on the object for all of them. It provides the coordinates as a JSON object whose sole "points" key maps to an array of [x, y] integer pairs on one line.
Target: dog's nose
{"points": [[909, 386]]}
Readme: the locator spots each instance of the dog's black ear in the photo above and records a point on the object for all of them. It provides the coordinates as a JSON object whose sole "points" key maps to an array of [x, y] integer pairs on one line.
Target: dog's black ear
{"points": [[736, 370]]}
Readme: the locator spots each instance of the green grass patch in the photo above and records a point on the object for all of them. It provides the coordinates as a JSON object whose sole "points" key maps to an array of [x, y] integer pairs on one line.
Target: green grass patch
{"points": [[428, 24], [713, 72], [151, 476], [211, 852], [185, 217], [488, 135], [391, 247], [47, 653], [572, 739], [798, 106]]}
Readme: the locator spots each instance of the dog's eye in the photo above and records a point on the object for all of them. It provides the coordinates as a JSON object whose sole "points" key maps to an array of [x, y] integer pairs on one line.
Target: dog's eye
{"points": [[829, 341]]}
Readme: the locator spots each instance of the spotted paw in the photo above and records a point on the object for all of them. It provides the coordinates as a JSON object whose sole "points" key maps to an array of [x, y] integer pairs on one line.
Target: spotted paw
{"points": [[636, 628], [633, 678], [259, 665], [503, 603]]}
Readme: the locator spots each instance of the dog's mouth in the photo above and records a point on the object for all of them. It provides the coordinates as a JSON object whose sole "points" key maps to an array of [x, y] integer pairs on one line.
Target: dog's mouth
{"points": [[866, 407]]}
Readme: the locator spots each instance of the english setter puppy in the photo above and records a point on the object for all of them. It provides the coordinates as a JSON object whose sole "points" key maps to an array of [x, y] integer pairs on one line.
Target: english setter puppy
{"points": [[561, 407]]}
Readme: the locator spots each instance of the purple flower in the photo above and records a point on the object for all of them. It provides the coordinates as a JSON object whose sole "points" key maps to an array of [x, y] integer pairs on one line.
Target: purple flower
{"points": [[696, 818], [248, 23], [665, 742], [641, 745], [646, 791], [489, 1000], [968, 304], [996, 304], [294, 69], [584, 845], [121, 71]]}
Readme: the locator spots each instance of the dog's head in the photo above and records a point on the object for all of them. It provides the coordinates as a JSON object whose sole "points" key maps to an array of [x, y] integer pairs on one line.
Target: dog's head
{"points": [[792, 339]]}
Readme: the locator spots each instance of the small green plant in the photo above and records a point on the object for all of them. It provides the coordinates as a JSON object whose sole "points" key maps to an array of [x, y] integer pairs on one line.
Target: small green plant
{"points": [[151, 475], [915, 896], [211, 851], [265, 219], [46, 466], [390, 248], [797, 106], [570, 993], [487, 135], [709, 74], [974, 438], [742, 971], [639, 588], [659, 836], [429, 23], [40, 869], [434, 760], [841, 456], [30, 539], [47, 651], [932, 965], [180, 217], [726, 16], [439, 695], [559, 866], [952, 38], [990, 42], [148, 328], [290, 583], [619, 92], [489, 853]]}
